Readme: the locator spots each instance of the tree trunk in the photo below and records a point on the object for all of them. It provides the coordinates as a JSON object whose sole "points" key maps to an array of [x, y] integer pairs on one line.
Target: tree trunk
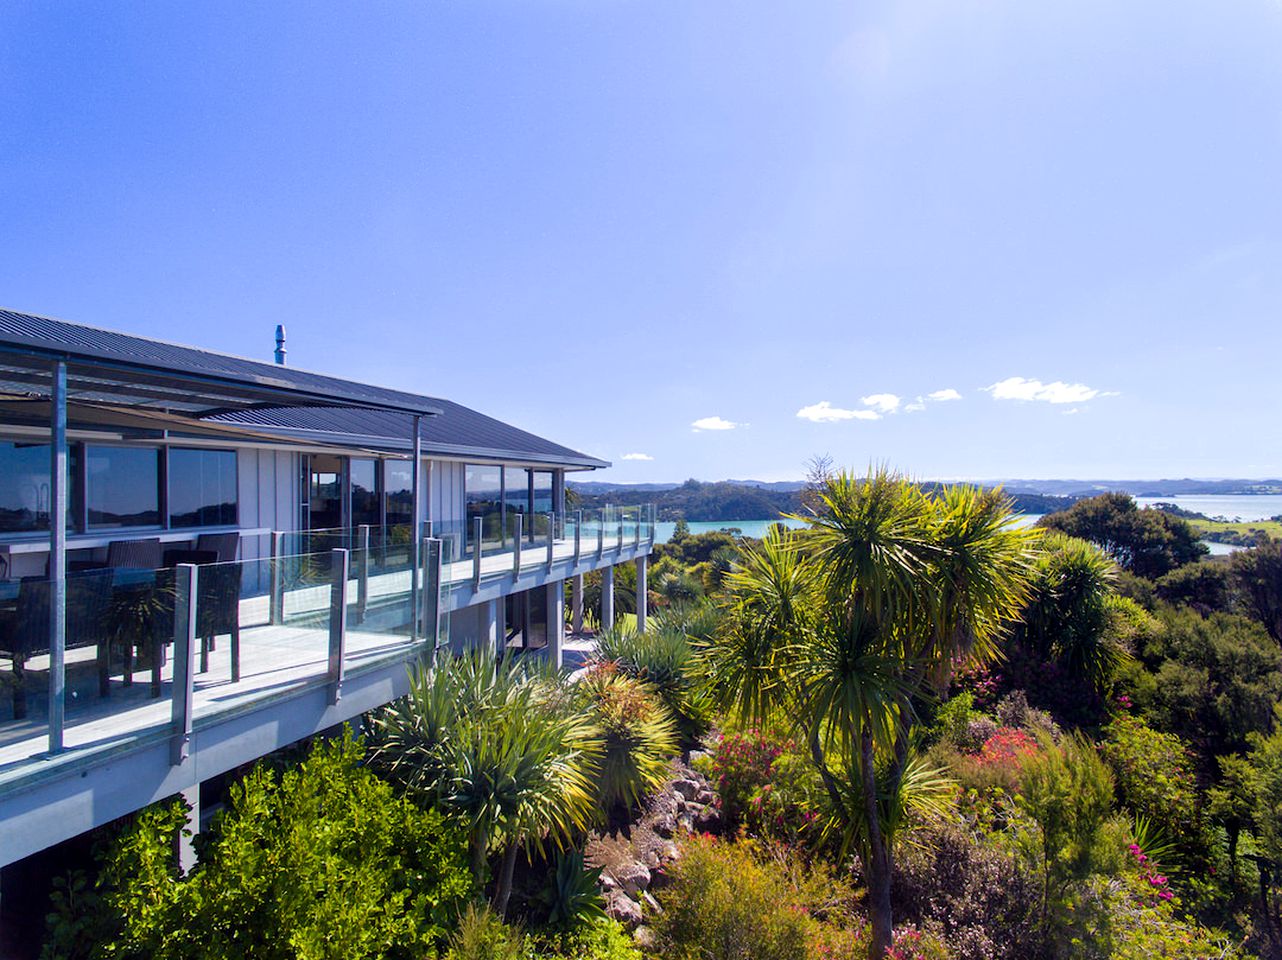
{"points": [[503, 890], [480, 850], [879, 865]]}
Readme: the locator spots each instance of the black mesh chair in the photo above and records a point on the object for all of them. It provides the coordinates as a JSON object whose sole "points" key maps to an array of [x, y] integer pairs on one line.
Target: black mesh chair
{"points": [[218, 602], [224, 545], [24, 629], [136, 554]]}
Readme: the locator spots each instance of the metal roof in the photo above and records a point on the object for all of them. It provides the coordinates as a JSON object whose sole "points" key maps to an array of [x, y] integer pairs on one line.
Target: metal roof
{"points": [[104, 365], [458, 432]]}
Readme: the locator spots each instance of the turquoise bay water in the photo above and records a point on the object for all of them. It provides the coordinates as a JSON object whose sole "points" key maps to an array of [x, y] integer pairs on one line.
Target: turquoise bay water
{"points": [[747, 528], [1244, 508]]}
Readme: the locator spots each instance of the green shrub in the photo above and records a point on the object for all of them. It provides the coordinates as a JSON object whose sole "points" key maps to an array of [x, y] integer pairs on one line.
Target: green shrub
{"points": [[1067, 790], [964, 886], [663, 658], [640, 736], [481, 934], [509, 753], [1152, 773], [953, 717], [320, 861], [734, 901]]}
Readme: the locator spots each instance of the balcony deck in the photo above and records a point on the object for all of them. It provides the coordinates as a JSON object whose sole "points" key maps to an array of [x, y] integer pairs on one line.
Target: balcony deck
{"points": [[280, 664]]}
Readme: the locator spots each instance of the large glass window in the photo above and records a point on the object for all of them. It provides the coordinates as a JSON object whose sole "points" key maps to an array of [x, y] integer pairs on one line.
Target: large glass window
{"points": [[516, 489], [542, 491], [123, 486], [364, 483], [398, 485], [483, 488], [202, 488], [24, 486], [326, 497]]}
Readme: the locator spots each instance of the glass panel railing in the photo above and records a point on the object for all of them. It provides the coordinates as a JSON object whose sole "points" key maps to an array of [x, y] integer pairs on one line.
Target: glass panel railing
{"points": [[24, 668]]}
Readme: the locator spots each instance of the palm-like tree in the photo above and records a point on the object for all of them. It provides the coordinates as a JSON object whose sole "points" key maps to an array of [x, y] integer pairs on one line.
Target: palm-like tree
{"points": [[1067, 616], [847, 636], [505, 749]]}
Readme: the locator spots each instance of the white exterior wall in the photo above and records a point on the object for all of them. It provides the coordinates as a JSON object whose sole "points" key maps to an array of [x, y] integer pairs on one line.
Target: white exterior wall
{"points": [[268, 492], [447, 492]]}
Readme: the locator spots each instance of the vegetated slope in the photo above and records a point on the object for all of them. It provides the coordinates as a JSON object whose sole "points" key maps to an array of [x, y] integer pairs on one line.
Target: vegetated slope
{"points": [[742, 500]]}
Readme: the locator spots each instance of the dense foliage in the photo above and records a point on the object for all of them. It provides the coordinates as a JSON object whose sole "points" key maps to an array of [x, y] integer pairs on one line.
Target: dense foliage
{"points": [[323, 860]]}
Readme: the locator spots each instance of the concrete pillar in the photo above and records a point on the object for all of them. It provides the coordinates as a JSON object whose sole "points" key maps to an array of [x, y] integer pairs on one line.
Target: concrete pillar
{"points": [[577, 604], [491, 626], [607, 598], [556, 621], [643, 564], [186, 847]]}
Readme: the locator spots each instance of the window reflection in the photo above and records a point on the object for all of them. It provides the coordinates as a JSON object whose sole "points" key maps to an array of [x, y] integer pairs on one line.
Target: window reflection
{"points": [[483, 488], [123, 486], [364, 481], [202, 488], [24, 486], [326, 493], [398, 482]]}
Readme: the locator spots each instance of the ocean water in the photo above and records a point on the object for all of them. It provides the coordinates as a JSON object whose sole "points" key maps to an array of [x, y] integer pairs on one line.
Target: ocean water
{"points": [[1242, 508], [748, 528]]}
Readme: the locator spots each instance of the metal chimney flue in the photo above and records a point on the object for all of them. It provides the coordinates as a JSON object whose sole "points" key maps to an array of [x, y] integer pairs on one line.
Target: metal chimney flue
{"points": [[280, 344]]}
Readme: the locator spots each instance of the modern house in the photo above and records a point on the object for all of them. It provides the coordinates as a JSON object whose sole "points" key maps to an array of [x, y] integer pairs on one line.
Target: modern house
{"points": [[205, 558]]}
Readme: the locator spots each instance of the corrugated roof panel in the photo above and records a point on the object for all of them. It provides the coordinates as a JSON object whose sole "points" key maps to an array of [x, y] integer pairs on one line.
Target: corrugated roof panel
{"points": [[23, 332], [458, 430]]}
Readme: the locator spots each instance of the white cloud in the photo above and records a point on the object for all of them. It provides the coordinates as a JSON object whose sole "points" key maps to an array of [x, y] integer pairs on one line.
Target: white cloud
{"points": [[881, 402], [636, 456], [942, 395], [713, 423], [1021, 388], [915, 407], [825, 412]]}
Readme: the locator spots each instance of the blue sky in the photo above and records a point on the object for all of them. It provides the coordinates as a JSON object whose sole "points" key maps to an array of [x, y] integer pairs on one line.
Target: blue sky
{"points": [[607, 222]]}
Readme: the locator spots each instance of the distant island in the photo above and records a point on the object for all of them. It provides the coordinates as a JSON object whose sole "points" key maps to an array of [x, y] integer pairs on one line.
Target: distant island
{"points": [[726, 500]]}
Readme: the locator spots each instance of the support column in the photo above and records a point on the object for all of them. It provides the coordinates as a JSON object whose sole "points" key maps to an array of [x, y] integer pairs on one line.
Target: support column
{"points": [[416, 494], [643, 564], [607, 598], [57, 554], [186, 851], [576, 602], [491, 628], [556, 621]]}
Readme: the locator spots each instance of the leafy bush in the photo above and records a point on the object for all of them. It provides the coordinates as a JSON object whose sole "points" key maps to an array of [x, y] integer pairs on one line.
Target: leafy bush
{"points": [[482, 935], [1068, 792], [640, 736], [663, 658], [952, 718], [508, 752], [975, 895], [1215, 681], [766, 785], [321, 861], [1152, 773], [732, 901]]}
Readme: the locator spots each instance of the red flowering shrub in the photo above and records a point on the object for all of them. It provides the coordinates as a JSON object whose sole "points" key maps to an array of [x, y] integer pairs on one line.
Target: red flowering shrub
{"points": [[1007, 746]]}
